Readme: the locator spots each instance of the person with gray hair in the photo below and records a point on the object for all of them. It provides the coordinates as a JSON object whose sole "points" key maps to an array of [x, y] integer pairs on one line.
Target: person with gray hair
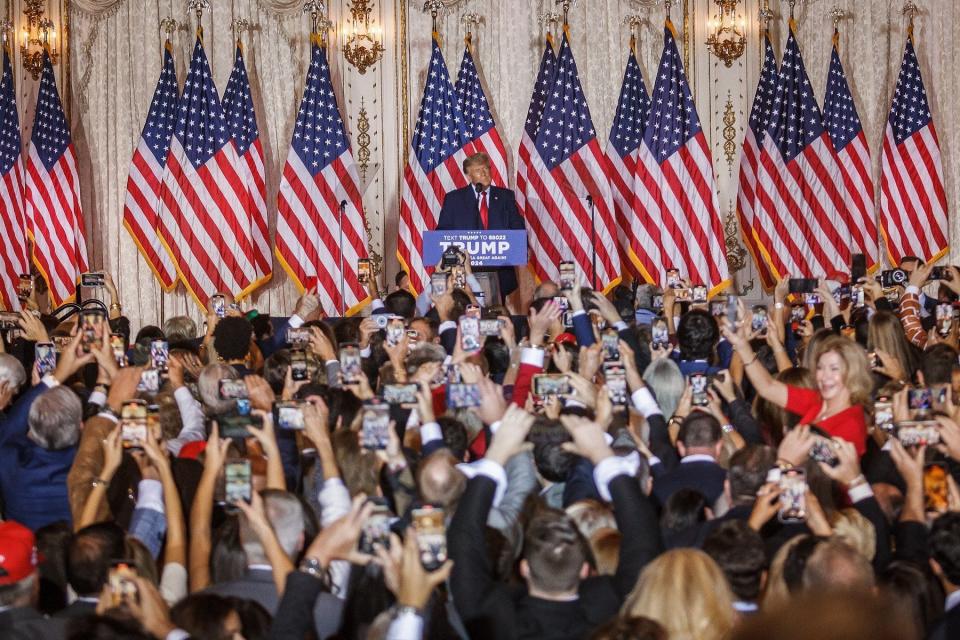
{"points": [[284, 512], [208, 385], [12, 377], [666, 383], [179, 329], [35, 459]]}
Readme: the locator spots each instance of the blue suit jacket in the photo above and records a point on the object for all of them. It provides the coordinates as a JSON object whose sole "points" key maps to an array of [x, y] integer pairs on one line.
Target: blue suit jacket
{"points": [[460, 211]]}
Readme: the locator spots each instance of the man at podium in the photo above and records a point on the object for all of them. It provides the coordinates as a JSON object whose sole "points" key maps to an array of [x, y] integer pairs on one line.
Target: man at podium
{"points": [[482, 206]]}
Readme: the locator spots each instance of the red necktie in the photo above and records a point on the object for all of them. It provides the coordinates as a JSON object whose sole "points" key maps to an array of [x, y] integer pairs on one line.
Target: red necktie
{"points": [[484, 215]]}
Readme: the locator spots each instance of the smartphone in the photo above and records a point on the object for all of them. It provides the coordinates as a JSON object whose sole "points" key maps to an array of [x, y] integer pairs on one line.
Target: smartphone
{"points": [[298, 338], [118, 347], [913, 433], [673, 279], [659, 334], [551, 384], [803, 285], [402, 394], [92, 279], [462, 396], [920, 401], [698, 294], [160, 354], [149, 381], [289, 415], [893, 278], [459, 276], [858, 267], [874, 359], [123, 584], [610, 341], [935, 488], [760, 321], [438, 283], [470, 334], [823, 450], [45, 355], [718, 309], [490, 327], [944, 319], [375, 432], [219, 305], [698, 387], [940, 273], [798, 313], [431, 536], [793, 500], [842, 293], [363, 271], [376, 530], [238, 484], [395, 330], [857, 298], [350, 363], [732, 310], [133, 424], [883, 414], [9, 320], [811, 299], [237, 425], [568, 276], [298, 366], [615, 378], [231, 389], [24, 286], [657, 302], [91, 324]]}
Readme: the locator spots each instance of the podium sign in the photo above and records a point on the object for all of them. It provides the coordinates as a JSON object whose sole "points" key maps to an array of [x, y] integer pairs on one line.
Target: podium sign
{"points": [[496, 248]]}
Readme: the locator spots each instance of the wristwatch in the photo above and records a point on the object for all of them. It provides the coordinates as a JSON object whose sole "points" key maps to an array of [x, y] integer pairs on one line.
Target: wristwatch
{"points": [[405, 609]]}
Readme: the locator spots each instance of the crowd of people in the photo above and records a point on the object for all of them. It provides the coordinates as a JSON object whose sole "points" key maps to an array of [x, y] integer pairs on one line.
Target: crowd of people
{"points": [[641, 465]]}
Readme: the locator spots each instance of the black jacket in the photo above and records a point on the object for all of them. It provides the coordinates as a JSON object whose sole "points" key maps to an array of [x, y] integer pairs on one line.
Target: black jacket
{"points": [[490, 609]]}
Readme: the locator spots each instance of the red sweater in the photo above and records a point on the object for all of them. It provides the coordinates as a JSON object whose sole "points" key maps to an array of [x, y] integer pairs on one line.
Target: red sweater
{"points": [[850, 424]]}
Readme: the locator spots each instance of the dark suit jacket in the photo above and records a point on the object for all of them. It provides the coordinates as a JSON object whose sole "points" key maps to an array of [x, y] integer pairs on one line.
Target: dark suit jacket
{"points": [[257, 585], [491, 609], [77, 609], [705, 477], [949, 626], [461, 211], [26, 623]]}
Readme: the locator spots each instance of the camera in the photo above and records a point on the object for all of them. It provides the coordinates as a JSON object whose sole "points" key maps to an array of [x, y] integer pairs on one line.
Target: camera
{"points": [[893, 278]]}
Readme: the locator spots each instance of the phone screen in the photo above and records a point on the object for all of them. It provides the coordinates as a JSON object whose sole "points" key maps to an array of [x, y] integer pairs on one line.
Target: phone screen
{"points": [[133, 424], [237, 482], [160, 354], [935, 488], [363, 270], [431, 537], [470, 334], [568, 276], [793, 500], [698, 388], [375, 432], [45, 355], [350, 365]]}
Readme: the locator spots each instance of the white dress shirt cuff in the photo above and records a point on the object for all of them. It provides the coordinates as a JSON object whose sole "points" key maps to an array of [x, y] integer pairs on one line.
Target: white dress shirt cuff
{"points": [[334, 501], [610, 468], [581, 312], [488, 469], [98, 398], [365, 352], [533, 357], [295, 321], [430, 432], [911, 288], [177, 634], [494, 427], [50, 381], [377, 304], [860, 492], [645, 403], [620, 326], [446, 326], [406, 626], [150, 495]]}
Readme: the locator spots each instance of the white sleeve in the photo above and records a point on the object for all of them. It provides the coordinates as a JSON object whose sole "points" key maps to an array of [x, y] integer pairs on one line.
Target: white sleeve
{"points": [[173, 583], [406, 626], [609, 468], [191, 416], [334, 502], [489, 469]]}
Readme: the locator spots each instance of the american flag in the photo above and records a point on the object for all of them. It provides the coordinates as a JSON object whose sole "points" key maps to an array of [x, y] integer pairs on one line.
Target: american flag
{"points": [[626, 136], [750, 157], [433, 168], [567, 171], [798, 209], [13, 239], [541, 88], [146, 171], [203, 211], [674, 187], [242, 120], [913, 204], [320, 173], [481, 130], [54, 218], [853, 157]]}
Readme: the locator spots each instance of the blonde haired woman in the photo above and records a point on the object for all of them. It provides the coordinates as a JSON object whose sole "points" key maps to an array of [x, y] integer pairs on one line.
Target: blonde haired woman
{"points": [[843, 379], [686, 592]]}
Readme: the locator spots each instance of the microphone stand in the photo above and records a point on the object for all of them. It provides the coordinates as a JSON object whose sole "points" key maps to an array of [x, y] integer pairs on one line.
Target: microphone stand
{"points": [[343, 303], [593, 240]]}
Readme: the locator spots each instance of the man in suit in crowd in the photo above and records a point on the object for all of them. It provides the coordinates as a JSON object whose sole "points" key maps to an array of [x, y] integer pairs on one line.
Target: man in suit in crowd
{"points": [[699, 444], [481, 205], [944, 545]]}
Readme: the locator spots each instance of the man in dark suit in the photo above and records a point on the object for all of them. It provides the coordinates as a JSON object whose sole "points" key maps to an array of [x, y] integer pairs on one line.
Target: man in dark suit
{"points": [[699, 444], [944, 545], [482, 206]]}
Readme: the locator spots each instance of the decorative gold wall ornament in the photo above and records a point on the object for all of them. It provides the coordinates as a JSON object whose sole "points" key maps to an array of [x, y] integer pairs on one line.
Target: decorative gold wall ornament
{"points": [[364, 46], [198, 6], [736, 254], [363, 140], [37, 32], [726, 29], [729, 133]]}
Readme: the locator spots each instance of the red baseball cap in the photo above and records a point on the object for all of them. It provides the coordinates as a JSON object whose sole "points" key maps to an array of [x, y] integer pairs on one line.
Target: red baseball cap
{"points": [[18, 553]]}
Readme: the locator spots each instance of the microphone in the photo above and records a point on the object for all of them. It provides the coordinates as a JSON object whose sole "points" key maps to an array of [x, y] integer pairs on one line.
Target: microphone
{"points": [[480, 187]]}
